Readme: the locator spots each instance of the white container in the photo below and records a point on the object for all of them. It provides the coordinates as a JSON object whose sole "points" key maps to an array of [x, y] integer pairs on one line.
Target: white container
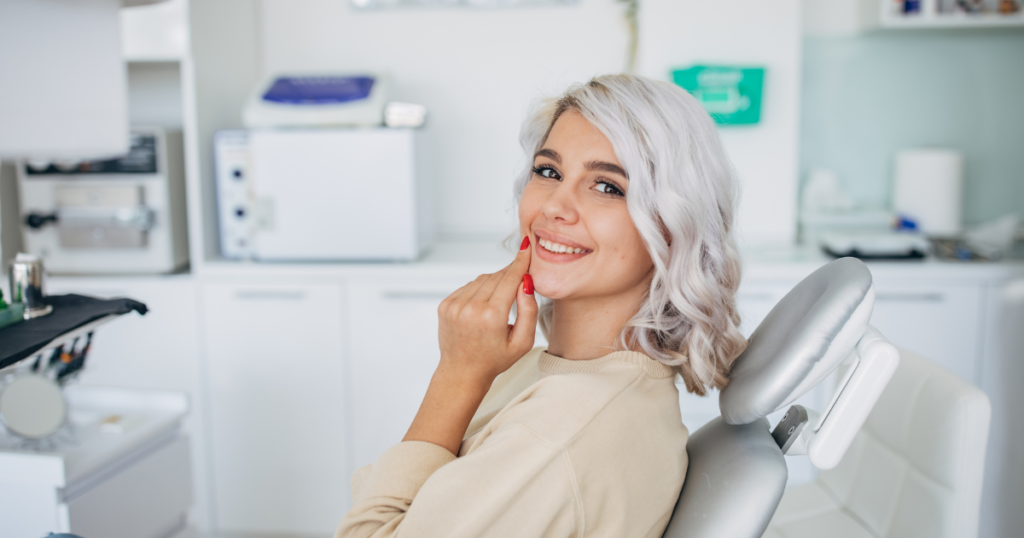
{"points": [[928, 188], [323, 195]]}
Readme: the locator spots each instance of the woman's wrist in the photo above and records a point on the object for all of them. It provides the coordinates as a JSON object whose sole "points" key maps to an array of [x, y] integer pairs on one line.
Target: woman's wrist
{"points": [[465, 379], [448, 407]]}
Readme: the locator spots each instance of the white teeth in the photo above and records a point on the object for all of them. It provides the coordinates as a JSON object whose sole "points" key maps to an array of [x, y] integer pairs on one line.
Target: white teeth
{"points": [[559, 248]]}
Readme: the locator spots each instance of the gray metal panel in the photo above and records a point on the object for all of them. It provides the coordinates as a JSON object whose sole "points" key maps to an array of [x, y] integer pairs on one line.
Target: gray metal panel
{"points": [[793, 337], [734, 481]]}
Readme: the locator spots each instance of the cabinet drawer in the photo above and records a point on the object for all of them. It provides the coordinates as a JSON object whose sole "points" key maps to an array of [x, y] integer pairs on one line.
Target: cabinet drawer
{"points": [[277, 384], [148, 499], [937, 322]]}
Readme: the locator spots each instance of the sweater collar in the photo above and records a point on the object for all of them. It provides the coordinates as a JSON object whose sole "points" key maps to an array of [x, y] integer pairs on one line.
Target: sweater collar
{"points": [[551, 364]]}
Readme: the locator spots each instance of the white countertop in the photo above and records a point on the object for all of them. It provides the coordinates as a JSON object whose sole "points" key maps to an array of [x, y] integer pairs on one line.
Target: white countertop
{"points": [[106, 425], [784, 263]]}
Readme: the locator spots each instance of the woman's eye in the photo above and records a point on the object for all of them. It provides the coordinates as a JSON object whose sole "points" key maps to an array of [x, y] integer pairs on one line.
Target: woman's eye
{"points": [[545, 171], [608, 188]]}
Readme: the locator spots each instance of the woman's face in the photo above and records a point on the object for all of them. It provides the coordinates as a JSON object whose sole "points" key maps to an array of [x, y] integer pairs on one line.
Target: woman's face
{"points": [[574, 210]]}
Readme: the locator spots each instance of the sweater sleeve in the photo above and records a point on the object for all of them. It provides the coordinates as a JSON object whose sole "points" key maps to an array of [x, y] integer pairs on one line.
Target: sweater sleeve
{"points": [[515, 482]]}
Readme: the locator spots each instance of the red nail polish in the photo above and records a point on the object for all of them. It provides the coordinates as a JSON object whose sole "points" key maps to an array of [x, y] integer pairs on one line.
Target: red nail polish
{"points": [[525, 244], [528, 284]]}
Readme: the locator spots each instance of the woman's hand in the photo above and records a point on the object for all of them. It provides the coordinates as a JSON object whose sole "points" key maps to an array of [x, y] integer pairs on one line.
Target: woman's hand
{"points": [[477, 344], [476, 340]]}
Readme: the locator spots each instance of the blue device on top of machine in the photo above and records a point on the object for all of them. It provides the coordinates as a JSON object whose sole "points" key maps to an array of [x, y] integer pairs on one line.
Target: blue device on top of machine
{"points": [[319, 90], [322, 99]]}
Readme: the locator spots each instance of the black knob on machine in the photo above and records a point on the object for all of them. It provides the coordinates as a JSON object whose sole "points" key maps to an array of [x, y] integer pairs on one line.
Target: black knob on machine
{"points": [[36, 221]]}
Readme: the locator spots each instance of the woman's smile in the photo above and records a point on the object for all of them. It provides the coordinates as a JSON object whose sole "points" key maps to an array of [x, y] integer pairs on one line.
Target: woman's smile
{"points": [[558, 248]]}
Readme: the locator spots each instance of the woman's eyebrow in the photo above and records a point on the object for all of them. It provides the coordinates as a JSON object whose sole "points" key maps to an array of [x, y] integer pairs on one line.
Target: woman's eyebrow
{"points": [[605, 167], [549, 153]]}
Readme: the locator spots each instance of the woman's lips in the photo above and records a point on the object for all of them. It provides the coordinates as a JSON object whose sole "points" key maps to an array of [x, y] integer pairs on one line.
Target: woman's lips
{"points": [[553, 251]]}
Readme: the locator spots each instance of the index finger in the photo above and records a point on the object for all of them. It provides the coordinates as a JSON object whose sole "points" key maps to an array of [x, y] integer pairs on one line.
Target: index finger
{"points": [[509, 285]]}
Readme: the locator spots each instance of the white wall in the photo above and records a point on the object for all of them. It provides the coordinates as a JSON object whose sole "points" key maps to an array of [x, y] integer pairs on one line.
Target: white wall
{"points": [[475, 69], [478, 69], [678, 33]]}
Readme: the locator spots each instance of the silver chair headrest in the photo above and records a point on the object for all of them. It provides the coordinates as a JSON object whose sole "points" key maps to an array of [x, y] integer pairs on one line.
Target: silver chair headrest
{"points": [[804, 337]]}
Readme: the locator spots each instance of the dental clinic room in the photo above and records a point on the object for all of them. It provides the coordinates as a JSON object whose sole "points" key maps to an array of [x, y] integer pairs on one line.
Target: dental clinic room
{"points": [[512, 268]]}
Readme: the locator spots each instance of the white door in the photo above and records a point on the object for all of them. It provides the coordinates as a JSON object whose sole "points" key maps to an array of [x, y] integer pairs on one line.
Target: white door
{"points": [[938, 321], [277, 385], [394, 352]]}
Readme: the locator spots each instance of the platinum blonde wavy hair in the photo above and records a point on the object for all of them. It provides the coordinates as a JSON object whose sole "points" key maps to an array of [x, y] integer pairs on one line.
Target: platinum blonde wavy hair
{"points": [[681, 197]]}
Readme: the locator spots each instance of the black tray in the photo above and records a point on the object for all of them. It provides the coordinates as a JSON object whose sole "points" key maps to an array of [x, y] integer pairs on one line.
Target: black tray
{"points": [[24, 339]]}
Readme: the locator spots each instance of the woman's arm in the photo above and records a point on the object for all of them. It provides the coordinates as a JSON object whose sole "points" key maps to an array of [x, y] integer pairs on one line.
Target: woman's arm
{"points": [[520, 485], [477, 344]]}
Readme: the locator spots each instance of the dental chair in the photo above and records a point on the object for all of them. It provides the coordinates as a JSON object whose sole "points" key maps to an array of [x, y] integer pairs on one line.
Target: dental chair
{"points": [[913, 471], [737, 471]]}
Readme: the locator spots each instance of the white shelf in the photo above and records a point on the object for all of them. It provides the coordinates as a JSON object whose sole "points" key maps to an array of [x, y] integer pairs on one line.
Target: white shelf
{"points": [[952, 20], [155, 33]]}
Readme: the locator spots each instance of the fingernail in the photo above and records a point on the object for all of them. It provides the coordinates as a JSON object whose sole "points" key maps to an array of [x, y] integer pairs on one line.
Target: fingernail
{"points": [[528, 284], [525, 244]]}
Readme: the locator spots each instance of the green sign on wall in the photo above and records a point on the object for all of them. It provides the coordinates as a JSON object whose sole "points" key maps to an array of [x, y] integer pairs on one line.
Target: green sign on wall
{"points": [[732, 95]]}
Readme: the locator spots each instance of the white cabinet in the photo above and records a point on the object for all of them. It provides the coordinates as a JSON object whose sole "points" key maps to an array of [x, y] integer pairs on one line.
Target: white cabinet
{"points": [[122, 471], [160, 350], [277, 384], [936, 320], [393, 354]]}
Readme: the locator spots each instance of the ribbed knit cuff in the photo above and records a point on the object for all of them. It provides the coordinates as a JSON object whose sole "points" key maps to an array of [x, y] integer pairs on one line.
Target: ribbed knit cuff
{"points": [[402, 469]]}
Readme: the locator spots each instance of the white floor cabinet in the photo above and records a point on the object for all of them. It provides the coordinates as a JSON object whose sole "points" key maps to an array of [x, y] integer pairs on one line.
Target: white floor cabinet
{"points": [[277, 381], [937, 319], [160, 350], [392, 355]]}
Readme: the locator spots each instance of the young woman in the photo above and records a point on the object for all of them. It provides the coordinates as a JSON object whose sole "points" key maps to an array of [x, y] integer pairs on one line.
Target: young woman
{"points": [[625, 215]]}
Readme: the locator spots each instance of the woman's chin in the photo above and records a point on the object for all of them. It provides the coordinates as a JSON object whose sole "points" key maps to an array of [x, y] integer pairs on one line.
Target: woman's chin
{"points": [[547, 286]]}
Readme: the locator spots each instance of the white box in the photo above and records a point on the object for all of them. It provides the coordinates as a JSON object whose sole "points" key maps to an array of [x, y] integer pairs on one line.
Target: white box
{"points": [[323, 195]]}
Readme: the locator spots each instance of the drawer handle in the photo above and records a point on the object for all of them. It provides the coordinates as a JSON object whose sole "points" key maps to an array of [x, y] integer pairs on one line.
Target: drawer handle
{"points": [[416, 295], [911, 297], [269, 295]]}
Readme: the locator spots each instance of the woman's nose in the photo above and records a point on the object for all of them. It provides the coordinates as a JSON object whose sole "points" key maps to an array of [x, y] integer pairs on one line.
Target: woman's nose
{"points": [[561, 205]]}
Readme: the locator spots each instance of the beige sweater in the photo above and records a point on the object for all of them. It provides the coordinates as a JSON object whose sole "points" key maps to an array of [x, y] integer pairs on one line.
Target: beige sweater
{"points": [[558, 448]]}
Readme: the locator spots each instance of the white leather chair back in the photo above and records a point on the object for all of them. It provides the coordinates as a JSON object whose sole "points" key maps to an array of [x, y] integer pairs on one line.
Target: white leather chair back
{"points": [[914, 470]]}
